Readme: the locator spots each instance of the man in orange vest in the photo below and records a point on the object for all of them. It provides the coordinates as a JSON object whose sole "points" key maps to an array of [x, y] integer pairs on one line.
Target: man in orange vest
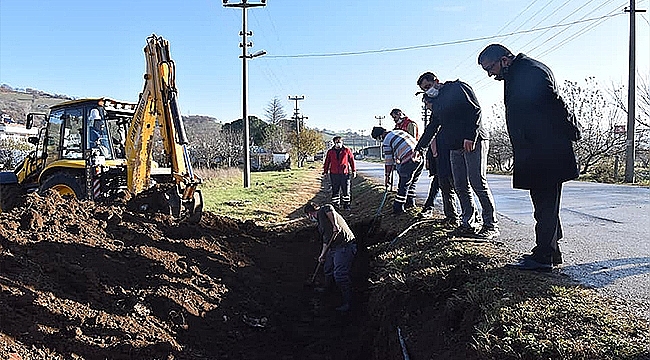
{"points": [[402, 122], [339, 163]]}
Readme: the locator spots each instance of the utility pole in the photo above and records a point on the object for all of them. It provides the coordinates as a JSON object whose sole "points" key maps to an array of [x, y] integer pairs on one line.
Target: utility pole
{"points": [[296, 116], [379, 117], [244, 5], [631, 95], [381, 148]]}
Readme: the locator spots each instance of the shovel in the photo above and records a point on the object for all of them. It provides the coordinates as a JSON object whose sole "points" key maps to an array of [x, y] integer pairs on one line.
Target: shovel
{"points": [[381, 206], [319, 263]]}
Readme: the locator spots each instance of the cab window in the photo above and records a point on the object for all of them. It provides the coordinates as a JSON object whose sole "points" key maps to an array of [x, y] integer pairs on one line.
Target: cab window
{"points": [[54, 126], [72, 134], [98, 133]]}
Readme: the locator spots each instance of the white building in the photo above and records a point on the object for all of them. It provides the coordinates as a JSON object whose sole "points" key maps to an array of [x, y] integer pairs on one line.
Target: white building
{"points": [[16, 132]]}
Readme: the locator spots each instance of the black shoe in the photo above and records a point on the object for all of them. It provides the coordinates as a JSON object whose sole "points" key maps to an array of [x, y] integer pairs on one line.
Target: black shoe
{"points": [[398, 209], [410, 203], [451, 223], [557, 258], [346, 207], [528, 263], [464, 231], [488, 233], [426, 213]]}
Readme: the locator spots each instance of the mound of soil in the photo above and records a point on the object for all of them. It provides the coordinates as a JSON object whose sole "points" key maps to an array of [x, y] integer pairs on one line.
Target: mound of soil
{"points": [[81, 280]]}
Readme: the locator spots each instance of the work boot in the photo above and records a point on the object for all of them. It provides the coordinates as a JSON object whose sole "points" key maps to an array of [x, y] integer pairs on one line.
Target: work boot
{"points": [[398, 208], [346, 292], [410, 203], [555, 260], [426, 213], [488, 233]]}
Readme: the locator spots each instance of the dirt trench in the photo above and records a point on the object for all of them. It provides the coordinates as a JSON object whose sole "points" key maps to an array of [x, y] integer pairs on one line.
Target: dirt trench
{"points": [[80, 280]]}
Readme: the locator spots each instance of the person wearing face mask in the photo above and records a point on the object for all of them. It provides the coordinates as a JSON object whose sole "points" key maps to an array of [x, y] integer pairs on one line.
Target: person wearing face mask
{"points": [[339, 163], [542, 131], [338, 250], [456, 119], [440, 170], [402, 122]]}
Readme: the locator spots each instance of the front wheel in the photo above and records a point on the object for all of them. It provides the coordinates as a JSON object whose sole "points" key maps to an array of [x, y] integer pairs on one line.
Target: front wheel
{"points": [[65, 184]]}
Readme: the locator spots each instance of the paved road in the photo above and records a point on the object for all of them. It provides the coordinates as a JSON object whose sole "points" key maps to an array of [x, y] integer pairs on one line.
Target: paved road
{"points": [[606, 227]]}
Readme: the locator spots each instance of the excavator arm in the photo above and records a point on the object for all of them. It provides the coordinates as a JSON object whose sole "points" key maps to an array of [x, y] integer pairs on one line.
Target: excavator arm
{"points": [[158, 104]]}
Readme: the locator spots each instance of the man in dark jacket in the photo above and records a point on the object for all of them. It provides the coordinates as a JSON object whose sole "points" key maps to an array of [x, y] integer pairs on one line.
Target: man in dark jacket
{"points": [[456, 113], [439, 166], [339, 163], [541, 131]]}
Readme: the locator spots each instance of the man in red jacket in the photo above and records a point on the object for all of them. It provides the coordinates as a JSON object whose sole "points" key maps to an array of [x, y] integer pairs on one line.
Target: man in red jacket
{"points": [[339, 163]]}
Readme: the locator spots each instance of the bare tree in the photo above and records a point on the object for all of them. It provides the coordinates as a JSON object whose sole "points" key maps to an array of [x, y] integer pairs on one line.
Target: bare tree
{"points": [[500, 152], [598, 118]]}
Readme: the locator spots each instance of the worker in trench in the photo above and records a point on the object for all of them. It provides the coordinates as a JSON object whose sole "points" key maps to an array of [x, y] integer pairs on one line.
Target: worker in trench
{"points": [[338, 251]]}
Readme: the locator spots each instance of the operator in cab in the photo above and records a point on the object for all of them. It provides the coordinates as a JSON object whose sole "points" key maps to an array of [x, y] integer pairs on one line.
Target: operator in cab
{"points": [[98, 135]]}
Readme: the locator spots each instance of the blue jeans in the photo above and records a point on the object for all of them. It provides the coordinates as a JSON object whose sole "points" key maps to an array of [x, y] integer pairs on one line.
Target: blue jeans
{"points": [[470, 169], [409, 173], [338, 263]]}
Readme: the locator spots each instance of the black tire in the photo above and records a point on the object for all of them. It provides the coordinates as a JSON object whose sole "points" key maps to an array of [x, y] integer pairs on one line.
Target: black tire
{"points": [[64, 183]]}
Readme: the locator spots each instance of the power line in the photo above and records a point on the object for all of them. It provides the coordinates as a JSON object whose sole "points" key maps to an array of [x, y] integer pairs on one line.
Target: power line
{"points": [[535, 14], [564, 18], [480, 82], [565, 29], [470, 56], [574, 36], [455, 42]]}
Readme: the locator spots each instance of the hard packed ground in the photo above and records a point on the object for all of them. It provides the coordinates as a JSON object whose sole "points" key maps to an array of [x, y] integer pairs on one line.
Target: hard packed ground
{"points": [[80, 280]]}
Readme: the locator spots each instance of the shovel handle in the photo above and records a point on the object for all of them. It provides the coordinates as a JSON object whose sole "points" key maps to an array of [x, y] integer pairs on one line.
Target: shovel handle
{"points": [[327, 247]]}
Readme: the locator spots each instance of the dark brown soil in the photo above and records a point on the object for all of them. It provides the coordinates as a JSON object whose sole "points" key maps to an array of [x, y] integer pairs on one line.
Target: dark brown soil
{"points": [[80, 280]]}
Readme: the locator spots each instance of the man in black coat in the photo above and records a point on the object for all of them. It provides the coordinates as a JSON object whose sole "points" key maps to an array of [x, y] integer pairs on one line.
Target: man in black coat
{"points": [[456, 120], [541, 131]]}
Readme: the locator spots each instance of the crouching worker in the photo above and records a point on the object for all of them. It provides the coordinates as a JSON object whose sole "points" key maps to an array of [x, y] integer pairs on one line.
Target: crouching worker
{"points": [[338, 251], [398, 147]]}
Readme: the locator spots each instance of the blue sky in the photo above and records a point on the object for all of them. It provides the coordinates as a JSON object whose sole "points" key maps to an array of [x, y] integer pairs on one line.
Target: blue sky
{"points": [[94, 49]]}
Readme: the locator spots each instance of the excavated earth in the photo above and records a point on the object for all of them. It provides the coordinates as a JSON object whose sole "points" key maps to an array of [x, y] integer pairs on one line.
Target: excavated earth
{"points": [[80, 280]]}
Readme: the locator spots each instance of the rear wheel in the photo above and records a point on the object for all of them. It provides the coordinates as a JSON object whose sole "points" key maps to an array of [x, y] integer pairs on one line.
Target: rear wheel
{"points": [[65, 184]]}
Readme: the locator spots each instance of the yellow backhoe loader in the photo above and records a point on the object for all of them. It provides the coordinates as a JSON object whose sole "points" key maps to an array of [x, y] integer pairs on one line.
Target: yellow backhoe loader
{"points": [[98, 149]]}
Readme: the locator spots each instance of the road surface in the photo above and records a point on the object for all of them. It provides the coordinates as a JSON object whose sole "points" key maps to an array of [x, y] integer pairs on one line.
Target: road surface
{"points": [[606, 227]]}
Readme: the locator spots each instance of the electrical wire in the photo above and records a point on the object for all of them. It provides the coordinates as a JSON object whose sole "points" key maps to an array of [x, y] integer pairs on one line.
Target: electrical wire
{"points": [[455, 42], [565, 29], [481, 82], [574, 36], [566, 17], [471, 55]]}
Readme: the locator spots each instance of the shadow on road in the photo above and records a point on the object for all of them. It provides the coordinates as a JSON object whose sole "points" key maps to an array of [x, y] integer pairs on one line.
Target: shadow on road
{"points": [[603, 273]]}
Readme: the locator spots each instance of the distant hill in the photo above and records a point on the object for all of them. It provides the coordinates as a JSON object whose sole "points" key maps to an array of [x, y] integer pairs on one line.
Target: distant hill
{"points": [[15, 104]]}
